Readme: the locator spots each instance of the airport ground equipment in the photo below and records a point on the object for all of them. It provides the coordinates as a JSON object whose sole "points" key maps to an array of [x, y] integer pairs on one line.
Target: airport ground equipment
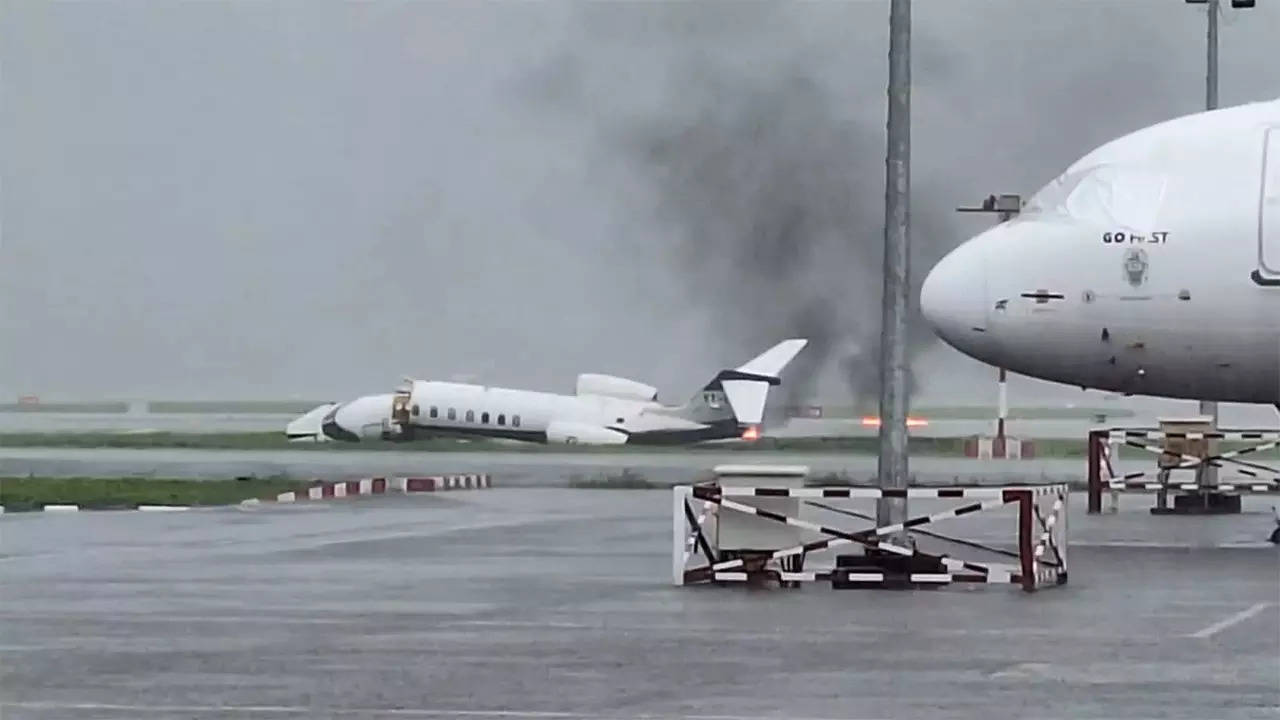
{"points": [[702, 513], [1184, 446]]}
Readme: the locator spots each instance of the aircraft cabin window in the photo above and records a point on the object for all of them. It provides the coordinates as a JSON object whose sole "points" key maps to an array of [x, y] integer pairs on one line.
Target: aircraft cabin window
{"points": [[453, 414], [515, 421], [416, 410], [433, 412], [484, 418], [502, 419], [471, 416]]}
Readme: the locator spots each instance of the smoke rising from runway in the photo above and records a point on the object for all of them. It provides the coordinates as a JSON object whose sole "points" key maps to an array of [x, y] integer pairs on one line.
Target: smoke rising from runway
{"points": [[763, 177], [777, 205]]}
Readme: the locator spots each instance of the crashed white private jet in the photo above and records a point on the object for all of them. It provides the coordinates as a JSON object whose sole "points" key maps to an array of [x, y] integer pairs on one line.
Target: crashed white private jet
{"points": [[604, 410]]}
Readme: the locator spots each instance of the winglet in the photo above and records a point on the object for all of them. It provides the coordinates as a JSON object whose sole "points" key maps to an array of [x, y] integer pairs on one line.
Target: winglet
{"points": [[771, 362]]}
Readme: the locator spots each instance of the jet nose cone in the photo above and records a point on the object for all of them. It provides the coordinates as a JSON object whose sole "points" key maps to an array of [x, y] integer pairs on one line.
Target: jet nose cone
{"points": [[363, 418], [334, 428], [953, 297], [307, 427]]}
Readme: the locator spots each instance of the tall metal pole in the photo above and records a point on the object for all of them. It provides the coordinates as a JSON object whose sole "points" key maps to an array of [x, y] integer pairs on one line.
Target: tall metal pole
{"points": [[1003, 408], [1207, 408], [893, 333], [1211, 59]]}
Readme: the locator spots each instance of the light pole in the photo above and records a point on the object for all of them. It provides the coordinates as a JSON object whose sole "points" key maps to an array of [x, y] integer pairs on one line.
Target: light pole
{"points": [[1211, 47], [892, 469], [1208, 408]]}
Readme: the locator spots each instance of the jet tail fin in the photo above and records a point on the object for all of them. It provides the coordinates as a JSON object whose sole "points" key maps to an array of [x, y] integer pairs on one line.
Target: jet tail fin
{"points": [[744, 388], [747, 398], [747, 386]]}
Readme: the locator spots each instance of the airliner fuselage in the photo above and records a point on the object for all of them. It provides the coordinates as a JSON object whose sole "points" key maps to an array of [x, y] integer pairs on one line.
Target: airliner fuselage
{"points": [[1150, 267]]}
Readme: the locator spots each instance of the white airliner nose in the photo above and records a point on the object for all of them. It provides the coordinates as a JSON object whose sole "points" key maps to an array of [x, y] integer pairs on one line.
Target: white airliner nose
{"points": [[953, 297]]}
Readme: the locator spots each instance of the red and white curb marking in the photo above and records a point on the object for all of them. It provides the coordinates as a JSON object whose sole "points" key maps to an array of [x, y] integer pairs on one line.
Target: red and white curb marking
{"points": [[140, 508], [325, 491], [382, 486]]}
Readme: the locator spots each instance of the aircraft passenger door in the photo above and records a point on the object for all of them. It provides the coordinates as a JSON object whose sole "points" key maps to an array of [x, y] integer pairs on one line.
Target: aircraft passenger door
{"points": [[1269, 211]]}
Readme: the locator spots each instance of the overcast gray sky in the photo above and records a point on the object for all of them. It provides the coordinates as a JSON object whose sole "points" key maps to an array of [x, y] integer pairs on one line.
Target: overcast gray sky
{"points": [[232, 199]]}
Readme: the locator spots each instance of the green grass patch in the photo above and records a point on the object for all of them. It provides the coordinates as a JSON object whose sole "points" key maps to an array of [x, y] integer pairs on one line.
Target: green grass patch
{"points": [[94, 493], [626, 479], [931, 446], [982, 412], [979, 412]]}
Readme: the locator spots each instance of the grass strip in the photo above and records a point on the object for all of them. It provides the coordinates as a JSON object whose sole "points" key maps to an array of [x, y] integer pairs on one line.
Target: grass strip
{"points": [[116, 493], [625, 479], [979, 412]]}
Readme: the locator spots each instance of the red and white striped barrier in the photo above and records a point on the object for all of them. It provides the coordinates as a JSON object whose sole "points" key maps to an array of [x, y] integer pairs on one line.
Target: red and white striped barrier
{"points": [[326, 491], [1254, 477], [985, 447], [382, 486], [1041, 540], [70, 508]]}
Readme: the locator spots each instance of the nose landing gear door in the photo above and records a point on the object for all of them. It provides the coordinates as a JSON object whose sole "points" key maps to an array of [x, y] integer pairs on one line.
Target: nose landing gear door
{"points": [[1268, 272]]}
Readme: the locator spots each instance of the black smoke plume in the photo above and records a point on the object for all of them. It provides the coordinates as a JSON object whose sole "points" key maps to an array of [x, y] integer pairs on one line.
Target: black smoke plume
{"points": [[777, 202]]}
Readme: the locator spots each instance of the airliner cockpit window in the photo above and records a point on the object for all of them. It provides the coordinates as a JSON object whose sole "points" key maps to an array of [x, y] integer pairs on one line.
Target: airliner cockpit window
{"points": [[1053, 196], [1104, 195]]}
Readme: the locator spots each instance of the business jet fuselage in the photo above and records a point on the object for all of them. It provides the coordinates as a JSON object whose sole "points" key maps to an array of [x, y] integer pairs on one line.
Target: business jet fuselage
{"points": [[604, 410], [1150, 267]]}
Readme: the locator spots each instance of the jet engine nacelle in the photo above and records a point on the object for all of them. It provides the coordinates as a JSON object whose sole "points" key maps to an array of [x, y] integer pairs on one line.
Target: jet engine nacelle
{"points": [[569, 433], [612, 386]]}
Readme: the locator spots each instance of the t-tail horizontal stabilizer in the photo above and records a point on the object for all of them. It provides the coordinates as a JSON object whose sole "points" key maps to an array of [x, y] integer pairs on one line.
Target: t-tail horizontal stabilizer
{"points": [[747, 386]]}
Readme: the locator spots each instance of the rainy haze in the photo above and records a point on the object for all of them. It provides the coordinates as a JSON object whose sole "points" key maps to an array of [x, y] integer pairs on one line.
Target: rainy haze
{"points": [[275, 200]]}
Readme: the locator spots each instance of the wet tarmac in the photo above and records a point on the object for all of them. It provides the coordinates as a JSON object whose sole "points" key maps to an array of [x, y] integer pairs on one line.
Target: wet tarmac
{"points": [[555, 603]]}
